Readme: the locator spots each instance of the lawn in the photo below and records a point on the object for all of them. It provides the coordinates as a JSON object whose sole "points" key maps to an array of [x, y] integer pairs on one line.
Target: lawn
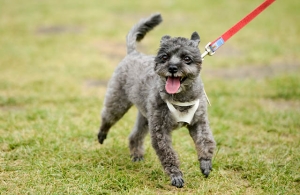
{"points": [[56, 58]]}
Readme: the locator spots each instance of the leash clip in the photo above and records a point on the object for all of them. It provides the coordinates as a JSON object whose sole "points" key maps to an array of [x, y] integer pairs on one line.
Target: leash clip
{"points": [[208, 51]]}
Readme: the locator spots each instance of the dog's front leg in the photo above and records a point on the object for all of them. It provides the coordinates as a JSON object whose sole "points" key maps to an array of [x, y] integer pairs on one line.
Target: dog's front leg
{"points": [[161, 142], [205, 144]]}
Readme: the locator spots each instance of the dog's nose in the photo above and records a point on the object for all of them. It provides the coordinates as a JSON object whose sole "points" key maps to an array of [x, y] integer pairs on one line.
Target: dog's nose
{"points": [[173, 69]]}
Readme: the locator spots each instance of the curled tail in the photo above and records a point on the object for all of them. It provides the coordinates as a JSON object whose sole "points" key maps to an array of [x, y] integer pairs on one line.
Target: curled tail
{"points": [[139, 30]]}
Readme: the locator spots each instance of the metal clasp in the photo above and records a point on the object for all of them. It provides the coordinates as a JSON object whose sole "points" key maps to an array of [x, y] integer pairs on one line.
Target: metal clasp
{"points": [[207, 51]]}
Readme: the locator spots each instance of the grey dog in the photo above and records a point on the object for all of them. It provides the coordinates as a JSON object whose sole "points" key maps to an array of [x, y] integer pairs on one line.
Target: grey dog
{"points": [[168, 92]]}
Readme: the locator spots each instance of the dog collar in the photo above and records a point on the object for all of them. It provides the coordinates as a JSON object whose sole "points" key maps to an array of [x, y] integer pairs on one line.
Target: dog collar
{"points": [[185, 116]]}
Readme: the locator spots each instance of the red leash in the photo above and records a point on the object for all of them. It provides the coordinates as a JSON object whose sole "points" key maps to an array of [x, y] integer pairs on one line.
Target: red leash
{"points": [[210, 48]]}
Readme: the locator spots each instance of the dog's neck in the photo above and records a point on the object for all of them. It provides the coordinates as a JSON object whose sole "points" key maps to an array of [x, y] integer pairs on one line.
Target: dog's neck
{"points": [[185, 116]]}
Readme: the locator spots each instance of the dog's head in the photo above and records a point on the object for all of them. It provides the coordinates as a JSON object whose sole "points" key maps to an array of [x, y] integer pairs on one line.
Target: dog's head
{"points": [[178, 62]]}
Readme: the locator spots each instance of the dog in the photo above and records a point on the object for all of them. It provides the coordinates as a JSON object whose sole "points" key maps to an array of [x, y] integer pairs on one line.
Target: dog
{"points": [[168, 92]]}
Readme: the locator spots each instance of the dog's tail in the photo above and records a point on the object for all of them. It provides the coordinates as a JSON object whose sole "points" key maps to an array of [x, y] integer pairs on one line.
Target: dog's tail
{"points": [[139, 30]]}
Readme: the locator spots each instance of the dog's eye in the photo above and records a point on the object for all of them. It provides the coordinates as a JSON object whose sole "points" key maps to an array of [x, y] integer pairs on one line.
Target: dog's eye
{"points": [[164, 57], [187, 60]]}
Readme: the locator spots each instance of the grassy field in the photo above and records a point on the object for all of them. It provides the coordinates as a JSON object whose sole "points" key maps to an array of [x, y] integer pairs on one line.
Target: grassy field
{"points": [[57, 56]]}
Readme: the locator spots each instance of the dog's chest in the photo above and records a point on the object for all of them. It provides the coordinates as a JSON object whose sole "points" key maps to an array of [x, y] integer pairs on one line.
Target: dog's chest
{"points": [[183, 112]]}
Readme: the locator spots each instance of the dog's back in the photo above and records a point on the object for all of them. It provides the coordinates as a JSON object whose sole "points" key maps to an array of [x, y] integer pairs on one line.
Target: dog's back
{"points": [[136, 71], [121, 92]]}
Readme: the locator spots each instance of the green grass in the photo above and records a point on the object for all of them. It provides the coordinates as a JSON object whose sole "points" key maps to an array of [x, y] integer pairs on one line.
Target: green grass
{"points": [[56, 58]]}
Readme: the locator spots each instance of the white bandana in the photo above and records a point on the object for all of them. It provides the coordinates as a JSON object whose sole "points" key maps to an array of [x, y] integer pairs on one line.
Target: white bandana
{"points": [[185, 116]]}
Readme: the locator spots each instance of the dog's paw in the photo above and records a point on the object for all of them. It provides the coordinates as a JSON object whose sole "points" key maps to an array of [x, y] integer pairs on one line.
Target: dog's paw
{"points": [[177, 181], [205, 166], [101, 137], [137, 158]]}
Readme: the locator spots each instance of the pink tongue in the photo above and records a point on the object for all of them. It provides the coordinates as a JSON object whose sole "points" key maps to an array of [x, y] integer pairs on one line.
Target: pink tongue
{"points": [[172, 84]]}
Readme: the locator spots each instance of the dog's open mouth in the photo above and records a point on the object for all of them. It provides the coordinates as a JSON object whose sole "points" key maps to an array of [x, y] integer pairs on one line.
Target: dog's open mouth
{"points": [[173, 84]]}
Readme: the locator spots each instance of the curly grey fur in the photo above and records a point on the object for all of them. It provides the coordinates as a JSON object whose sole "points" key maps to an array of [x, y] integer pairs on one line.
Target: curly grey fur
{"points": [[140, 80], [139, 30]]}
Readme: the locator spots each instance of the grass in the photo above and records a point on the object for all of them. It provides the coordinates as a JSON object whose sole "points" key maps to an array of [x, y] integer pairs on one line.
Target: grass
{"points": [[56, 58]]}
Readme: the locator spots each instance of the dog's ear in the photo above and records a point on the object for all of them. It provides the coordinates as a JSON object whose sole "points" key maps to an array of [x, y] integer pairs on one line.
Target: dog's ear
{"points": [[196, 38], [165, 38]]}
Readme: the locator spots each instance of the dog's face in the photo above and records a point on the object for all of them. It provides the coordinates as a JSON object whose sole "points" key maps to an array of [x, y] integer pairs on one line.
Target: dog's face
{"points": [[178, 62]]}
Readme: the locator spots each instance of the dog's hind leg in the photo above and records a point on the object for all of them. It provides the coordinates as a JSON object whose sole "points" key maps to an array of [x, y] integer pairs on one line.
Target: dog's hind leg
{"points": [[136, 138], [115, 107]]}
